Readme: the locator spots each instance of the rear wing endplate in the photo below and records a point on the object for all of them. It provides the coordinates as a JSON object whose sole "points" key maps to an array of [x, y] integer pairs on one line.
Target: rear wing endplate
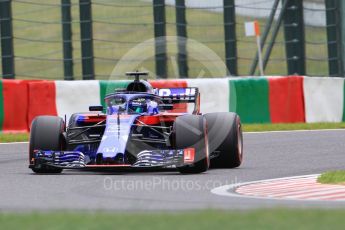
{"points": [[179, 95]]}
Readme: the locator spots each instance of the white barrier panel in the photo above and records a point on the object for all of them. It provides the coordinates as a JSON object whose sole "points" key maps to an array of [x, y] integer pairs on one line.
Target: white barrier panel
{"points": [[214, 94], [323, 99], [76, 96]]}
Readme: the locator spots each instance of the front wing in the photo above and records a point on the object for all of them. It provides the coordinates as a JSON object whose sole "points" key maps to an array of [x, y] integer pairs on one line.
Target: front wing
{"points": [[145, 159]]}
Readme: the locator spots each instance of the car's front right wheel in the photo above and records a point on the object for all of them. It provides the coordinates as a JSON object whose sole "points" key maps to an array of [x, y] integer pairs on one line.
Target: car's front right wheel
{"points": [[191, 133]]}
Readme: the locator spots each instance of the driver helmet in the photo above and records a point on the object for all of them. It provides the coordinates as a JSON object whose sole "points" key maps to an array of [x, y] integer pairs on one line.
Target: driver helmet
{"points": [[138, 106]]}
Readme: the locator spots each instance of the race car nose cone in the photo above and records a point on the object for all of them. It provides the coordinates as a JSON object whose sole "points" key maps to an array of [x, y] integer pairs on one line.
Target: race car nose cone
{"points": [[101, 160]]}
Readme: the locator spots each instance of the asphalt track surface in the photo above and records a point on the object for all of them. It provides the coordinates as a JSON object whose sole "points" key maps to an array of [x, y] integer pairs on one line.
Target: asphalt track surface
{"points": [[267, 155]]}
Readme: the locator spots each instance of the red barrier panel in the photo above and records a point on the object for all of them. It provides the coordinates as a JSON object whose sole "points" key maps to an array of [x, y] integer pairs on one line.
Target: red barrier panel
{"points": [[286, 99], [15, 105], [178, 108], [41, 99]]}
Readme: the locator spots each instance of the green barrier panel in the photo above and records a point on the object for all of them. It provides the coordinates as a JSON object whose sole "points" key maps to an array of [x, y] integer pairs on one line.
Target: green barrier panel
{"points": [[344, 103], [107, 87], [249, 98]]}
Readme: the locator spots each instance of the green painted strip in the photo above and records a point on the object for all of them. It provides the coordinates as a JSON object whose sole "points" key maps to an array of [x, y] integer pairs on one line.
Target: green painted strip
{"points": [[344, 102], [232, 95], [108, 87], [1, 106], [249, 98]]}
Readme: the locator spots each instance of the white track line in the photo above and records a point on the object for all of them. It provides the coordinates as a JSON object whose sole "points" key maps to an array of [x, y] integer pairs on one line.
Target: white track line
{"points": [[229, 190], [13, 143], [292, 131]]}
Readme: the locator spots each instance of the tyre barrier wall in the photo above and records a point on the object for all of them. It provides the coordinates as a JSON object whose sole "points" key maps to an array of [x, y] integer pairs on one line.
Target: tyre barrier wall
{"points": [[257, 100]]}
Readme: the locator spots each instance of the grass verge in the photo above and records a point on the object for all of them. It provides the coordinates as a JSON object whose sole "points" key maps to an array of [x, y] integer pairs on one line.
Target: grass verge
{"points": [[295, 126], [333, 177], [259, 219], [13, 137]]}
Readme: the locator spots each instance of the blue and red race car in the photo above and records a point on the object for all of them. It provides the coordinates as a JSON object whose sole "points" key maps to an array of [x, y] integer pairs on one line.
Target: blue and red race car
{"points": [[138, 129]]}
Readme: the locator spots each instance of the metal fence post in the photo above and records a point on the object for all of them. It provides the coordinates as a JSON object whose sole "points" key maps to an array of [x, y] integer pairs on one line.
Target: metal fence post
{"points": [[160, 41], [86, 39], [294, 37], [333, 19], [6, 36], [230, 36], [181, 28], [67, 39], [275, 31], [342, 34], [265, 34]]}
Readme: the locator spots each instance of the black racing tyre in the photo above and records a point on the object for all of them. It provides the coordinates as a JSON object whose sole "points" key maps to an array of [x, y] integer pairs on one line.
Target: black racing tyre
{"points": [[191, 132], [225, 139], [72, 123], [46, 134]]}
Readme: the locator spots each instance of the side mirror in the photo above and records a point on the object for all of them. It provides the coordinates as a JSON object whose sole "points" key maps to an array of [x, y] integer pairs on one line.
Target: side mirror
{"points": [[98, 108], [165, 106]]}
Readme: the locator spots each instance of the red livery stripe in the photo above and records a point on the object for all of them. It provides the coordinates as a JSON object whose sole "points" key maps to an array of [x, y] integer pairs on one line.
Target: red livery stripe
{"points": [[108, 166]]}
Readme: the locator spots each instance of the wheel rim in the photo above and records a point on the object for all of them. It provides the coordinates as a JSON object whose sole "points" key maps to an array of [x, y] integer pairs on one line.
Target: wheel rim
{"points": [[206, 144], [239, 141]]}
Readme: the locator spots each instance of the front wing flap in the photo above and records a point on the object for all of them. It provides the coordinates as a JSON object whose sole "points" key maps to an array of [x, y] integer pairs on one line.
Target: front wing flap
{"points": [[77, 160], [60, 159]]}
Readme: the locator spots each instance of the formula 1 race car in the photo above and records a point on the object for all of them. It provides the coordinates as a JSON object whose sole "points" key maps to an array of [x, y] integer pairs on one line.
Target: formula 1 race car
{"points": [[138, 129]]}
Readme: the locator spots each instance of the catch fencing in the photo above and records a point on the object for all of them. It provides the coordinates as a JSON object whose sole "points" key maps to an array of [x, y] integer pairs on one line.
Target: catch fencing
{"points": [[86, 39]]}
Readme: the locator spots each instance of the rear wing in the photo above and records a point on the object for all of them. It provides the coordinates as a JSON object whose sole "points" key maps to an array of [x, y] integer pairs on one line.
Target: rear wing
{"points": [[180, 95]]}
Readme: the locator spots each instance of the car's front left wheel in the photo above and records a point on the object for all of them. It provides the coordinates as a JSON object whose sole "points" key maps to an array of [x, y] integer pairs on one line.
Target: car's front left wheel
{"points": [[46, 134]]}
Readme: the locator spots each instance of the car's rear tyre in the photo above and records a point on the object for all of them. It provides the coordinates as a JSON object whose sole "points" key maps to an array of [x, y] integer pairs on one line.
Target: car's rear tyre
{"points": [[191, 132], [73, 120], [225, 139], [72, 123], [46, 134]]}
